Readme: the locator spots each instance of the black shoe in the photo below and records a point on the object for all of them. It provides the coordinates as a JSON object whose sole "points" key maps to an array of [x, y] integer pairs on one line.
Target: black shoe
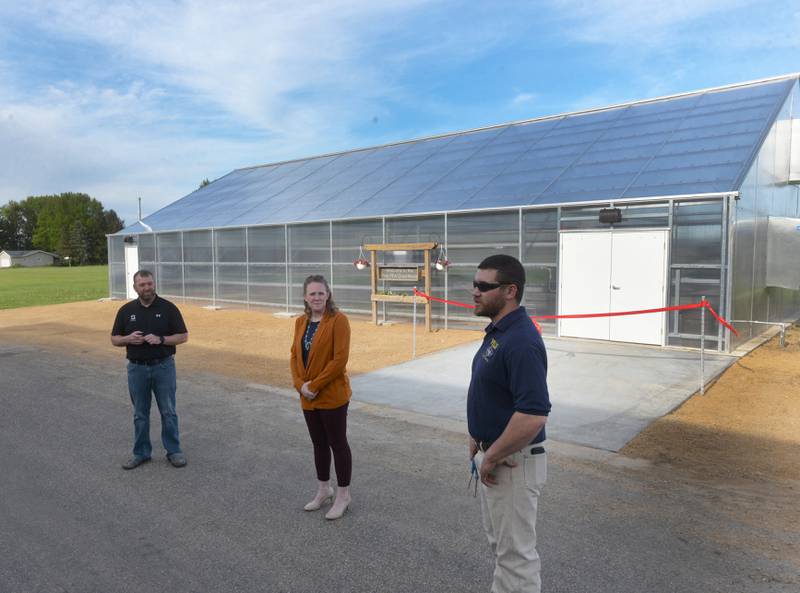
{"points": [[135, 462], [177, 459]]}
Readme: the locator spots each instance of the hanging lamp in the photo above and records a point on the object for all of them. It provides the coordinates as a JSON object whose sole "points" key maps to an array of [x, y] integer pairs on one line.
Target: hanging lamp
{"points": [[361, 262]]}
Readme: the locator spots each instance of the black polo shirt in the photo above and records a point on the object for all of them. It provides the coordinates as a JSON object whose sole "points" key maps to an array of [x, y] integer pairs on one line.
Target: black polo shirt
{"points": [[509, 374], [161, 318]]}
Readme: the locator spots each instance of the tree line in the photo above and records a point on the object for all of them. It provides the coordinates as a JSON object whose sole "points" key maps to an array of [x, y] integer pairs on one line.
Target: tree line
{"points": [[69, 224]]}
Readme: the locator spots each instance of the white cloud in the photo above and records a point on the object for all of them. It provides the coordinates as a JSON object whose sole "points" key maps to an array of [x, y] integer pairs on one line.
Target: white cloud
{"points": [[210, 87], [523, 99], [247, 58]]}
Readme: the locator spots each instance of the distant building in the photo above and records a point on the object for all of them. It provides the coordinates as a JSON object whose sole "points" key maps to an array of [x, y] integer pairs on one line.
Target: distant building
{"points": [[27, 259]]}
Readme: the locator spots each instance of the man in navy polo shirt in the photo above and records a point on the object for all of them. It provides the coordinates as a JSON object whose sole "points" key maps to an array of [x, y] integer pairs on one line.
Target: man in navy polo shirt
{"points": [[507, 407], [150, 327]]}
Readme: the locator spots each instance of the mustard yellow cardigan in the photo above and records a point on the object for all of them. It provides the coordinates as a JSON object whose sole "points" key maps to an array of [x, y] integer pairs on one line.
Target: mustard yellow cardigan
{"points": [[327, 362]]}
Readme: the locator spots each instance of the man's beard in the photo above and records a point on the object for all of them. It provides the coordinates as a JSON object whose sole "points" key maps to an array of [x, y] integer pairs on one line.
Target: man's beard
{"points": [[488, 309]]}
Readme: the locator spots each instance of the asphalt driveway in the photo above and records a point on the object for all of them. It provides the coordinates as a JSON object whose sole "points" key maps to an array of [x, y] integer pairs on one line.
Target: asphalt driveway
{"points": [[72, 520]]}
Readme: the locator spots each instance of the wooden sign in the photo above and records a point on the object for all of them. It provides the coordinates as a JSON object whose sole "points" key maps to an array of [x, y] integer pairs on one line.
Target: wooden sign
{"points": [[398, 273]]}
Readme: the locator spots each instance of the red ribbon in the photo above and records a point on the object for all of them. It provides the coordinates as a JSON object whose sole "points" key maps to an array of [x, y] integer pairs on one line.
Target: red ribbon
{"points": [[535, 318]]}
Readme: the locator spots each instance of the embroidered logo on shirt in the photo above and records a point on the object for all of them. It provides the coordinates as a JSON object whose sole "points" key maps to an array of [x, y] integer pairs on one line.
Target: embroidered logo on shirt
{"points": [[490, 350], [133, 317], [158, 315]]}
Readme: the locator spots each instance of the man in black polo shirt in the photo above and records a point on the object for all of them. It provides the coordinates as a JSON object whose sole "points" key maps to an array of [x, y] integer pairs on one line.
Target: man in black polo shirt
{"points": [[507, 407], [150, 327]]}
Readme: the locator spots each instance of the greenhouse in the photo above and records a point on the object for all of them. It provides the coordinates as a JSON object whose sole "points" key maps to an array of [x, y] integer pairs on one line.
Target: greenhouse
{"points": [[642, 205]]}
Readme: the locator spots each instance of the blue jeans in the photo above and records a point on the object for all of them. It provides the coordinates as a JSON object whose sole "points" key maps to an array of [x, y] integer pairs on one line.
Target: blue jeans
{"points": [[143, 382]]}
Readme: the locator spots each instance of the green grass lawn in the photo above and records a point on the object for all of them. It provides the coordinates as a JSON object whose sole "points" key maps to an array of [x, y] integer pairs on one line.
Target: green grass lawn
{"points": [[25, 287]]}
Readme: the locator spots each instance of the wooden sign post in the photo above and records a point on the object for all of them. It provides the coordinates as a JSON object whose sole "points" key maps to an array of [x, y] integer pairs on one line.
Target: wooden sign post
{"points": [[400, 273]]}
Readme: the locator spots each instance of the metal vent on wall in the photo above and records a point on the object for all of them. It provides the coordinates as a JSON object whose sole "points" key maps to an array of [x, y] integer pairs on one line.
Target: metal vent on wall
{"points": [[783, 252]]}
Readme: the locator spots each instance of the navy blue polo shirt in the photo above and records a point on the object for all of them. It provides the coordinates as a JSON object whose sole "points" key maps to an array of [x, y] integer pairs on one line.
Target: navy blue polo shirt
{"points": [[509, 374]]}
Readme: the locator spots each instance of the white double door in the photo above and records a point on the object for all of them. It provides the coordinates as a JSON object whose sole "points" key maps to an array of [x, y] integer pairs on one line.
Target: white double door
{"points": [[610, 271]]}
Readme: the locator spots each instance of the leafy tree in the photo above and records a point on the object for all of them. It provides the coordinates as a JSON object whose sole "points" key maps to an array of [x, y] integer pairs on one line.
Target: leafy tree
{"points": [[18, 223], [113, 223], [79, 243], [72, 224]]}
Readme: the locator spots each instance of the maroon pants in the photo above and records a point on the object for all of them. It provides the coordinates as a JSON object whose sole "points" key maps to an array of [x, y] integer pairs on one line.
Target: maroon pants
{"points": [[328, 430]]}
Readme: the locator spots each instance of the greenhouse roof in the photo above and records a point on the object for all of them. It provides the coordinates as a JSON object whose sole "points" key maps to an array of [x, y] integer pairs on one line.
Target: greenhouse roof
{"points": [[690, 144]]}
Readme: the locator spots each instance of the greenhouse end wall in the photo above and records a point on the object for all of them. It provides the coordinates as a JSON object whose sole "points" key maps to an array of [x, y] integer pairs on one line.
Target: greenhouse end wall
{"points": [[765, 192]]}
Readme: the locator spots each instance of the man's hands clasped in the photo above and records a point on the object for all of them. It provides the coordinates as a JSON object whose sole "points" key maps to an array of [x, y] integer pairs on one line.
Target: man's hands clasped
{"points": [[138, 338]]}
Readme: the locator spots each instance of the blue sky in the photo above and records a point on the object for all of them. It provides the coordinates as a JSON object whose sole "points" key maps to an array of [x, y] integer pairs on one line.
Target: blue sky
{"points": [[147, 98]]}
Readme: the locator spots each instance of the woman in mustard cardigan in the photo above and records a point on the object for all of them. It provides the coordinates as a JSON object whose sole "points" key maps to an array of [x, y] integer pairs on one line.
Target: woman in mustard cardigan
{"points": [[320, 350]]}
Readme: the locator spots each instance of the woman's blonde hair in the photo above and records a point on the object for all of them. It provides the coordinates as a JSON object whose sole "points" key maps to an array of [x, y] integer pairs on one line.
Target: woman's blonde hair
{"points": [[330, 306]]}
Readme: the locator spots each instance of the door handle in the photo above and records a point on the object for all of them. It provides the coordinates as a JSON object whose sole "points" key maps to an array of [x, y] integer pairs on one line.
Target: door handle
{"points": [[613, 287]]}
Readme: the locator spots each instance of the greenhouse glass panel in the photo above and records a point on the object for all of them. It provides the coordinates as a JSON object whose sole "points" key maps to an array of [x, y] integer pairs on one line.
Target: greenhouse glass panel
{"points": [[541, 292], [434, 199], [118, 281], [169, 281], [473, 237], [470, 180], [540, 236], [351, 287], [117, 248], [268, 284], [150, 266], [731, 146], [500, 196], [147, 248], [310, 243], [414, 229], [572, 189], [267, 244], [197, 247], [697, 233], [349, 236], [573, 141], [230, 245], [169, 247], [231, 282], [198, 280], [459, 288], [689, 285]]}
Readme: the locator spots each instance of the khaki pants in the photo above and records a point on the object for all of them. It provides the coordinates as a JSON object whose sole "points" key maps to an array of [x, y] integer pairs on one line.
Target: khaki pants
{"points": [[509, 518]]}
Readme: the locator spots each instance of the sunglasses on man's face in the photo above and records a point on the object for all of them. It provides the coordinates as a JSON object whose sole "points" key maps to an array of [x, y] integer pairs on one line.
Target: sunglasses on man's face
{"points": [[487, 286]]}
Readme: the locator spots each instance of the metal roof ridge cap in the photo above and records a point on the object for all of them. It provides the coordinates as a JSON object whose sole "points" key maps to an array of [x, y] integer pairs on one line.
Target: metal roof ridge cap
{"points": [[794, 75]]}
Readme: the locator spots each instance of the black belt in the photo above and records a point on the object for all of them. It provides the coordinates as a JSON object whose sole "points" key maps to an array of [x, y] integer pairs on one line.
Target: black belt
{"points": [[484, 446], [149, 363]]}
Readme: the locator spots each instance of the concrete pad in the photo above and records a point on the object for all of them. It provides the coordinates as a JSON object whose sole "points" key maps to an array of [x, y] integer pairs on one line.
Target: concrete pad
{"points": [[603, 393]]}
